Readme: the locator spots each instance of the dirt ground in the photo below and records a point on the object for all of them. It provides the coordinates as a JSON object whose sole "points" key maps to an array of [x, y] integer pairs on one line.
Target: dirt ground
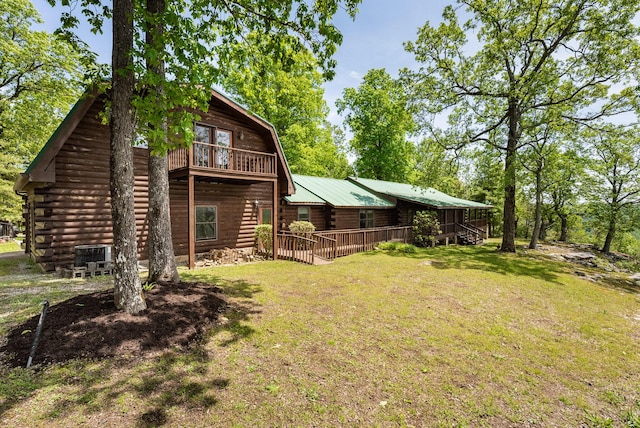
{"points": [[89, 326]]}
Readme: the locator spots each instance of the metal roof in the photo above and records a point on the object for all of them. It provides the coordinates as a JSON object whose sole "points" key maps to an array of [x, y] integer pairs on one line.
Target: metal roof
{"points": [[425, 196], [337, 193], [304, 197]]}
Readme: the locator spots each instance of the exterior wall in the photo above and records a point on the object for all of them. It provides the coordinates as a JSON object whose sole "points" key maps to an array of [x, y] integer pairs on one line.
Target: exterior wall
{"points": [[76, 209], [237, 214], [349, 218], [318, 216]]}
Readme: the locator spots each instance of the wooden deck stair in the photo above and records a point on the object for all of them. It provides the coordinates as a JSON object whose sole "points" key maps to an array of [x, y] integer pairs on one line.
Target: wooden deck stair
{"points": [[468, 234]]}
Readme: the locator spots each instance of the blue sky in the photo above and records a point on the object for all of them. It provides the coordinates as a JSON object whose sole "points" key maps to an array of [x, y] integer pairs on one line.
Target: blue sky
{"points": [[373, 40]]}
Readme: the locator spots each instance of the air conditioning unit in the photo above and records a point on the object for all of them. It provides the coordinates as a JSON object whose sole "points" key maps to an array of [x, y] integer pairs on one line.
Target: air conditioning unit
{"points": [[92, 253]]}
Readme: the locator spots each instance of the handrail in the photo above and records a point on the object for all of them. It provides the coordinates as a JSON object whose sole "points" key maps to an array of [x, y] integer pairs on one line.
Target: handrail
{"points": [[216, 157]]}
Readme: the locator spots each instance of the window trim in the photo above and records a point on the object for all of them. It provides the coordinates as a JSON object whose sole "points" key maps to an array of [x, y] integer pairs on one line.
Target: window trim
{"points": [[308, 213], [366, 213], [215, 207]]}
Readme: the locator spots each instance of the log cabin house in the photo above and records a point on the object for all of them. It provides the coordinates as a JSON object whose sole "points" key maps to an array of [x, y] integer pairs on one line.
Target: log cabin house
{"points": [[460, 220], [332, 204], [232, 178], [358, 203]]}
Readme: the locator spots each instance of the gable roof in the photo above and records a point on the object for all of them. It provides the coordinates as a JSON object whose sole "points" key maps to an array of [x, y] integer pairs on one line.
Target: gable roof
{"points": [[425, 196], [334, 192], [39, 169]]}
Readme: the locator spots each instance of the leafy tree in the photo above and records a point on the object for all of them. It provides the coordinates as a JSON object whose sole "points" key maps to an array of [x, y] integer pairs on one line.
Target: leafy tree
{"points": [[615, 167], [532, 56], [40, 77], [425, 228], [436, 167], [194, 46], [377, 114], [566, 177], [287, 91]]}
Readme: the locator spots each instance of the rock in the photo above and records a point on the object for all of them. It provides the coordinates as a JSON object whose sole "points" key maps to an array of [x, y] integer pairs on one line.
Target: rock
{"points": [[580, 273], [584, 256]]}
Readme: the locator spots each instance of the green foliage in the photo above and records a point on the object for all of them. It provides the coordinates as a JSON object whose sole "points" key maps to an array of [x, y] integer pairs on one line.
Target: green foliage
{"points": [[40, 78], [534, 64], [197, 47], [398, 247], [425, 228], [287, 91], [379, 117], [264, 237], [301, 227], [613, 188]]}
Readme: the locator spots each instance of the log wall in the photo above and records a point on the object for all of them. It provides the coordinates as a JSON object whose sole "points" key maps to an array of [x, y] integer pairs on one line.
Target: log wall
{"points": [[76, 209]]}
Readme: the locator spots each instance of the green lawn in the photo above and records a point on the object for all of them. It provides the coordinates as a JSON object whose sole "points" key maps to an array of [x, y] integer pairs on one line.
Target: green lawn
{"points": [[455, 336], [9, 246]]}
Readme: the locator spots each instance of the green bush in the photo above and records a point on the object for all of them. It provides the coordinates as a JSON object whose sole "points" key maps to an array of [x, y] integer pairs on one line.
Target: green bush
{"points": [[397, 246], [301, 228], [425, 228], [388, 246], [264, 238]]}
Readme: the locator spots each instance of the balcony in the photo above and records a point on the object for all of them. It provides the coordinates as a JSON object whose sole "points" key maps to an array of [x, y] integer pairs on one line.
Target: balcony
{"points": [[222, 161]]}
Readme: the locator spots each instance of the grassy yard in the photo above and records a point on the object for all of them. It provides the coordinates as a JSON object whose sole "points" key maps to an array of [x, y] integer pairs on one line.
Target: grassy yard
{"points": [[455, 336]]}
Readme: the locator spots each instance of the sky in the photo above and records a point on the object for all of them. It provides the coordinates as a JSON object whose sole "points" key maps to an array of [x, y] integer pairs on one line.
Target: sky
{"points": [[373, 40]]}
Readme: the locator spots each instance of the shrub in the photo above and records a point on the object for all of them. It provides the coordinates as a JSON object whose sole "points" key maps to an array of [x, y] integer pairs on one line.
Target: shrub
{"points": [[397, 246], [301, 227], [264, 238], [425, 228]]}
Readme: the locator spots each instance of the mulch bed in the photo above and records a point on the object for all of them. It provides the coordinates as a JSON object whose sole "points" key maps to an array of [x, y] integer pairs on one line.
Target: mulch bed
{"points": [[89, 326]]}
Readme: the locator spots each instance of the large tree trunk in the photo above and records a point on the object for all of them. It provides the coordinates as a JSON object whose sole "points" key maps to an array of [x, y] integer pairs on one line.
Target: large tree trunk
{"points": [[564, 227], [606, 248], [127, 287], [162, 262], [509, 220], [538, 220]]}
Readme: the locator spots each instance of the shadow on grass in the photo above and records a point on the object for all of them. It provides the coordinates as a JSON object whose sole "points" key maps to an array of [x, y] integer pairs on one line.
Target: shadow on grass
{"points": [[89, 340], [485, 258]]}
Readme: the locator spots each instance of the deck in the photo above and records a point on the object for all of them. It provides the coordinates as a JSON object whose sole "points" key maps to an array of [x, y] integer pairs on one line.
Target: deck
{"points": [[210, 159]]}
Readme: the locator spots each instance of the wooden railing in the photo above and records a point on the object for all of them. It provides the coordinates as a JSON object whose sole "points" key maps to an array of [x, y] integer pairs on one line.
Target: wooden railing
{"points": [[358, 240], [223, 158], [469, 234], [330, 244], [296, 248]]}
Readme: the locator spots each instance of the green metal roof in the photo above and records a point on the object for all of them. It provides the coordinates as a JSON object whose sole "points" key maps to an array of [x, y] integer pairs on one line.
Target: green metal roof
{"points": [[425, 196], [303, 196], [337, 193]]}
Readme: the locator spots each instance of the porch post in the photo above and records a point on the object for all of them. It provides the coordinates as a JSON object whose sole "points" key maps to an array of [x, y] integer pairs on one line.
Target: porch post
{"points": [[275, 220], [191, 210]]}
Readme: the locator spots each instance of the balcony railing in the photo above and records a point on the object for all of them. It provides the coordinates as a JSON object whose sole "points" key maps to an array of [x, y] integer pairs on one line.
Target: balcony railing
{"points": [[221, 158]]}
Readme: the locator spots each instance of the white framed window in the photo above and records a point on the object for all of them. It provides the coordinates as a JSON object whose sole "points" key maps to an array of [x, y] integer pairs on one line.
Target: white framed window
{"points": [[206, 223], [366, 219], [304, 214]]}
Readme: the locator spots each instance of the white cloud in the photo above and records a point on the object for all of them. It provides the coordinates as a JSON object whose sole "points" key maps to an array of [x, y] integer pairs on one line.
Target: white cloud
{"points": [[355, 75]]}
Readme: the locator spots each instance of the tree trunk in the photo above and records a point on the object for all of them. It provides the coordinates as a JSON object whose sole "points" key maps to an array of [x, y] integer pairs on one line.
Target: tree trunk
{"points": [[564, 226], [538, 220], [606, 248], [509, 221], [127, 287], [162, 262]]}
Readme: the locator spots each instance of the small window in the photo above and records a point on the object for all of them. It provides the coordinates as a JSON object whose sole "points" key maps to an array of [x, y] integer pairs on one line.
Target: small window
{"points": [[206, 223], [366, 219], [265, 215], [303, 214]]}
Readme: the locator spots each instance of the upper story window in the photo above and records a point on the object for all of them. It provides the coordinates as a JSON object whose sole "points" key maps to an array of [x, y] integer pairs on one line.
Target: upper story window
{"points": [[366, 219], [211, 146]]}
